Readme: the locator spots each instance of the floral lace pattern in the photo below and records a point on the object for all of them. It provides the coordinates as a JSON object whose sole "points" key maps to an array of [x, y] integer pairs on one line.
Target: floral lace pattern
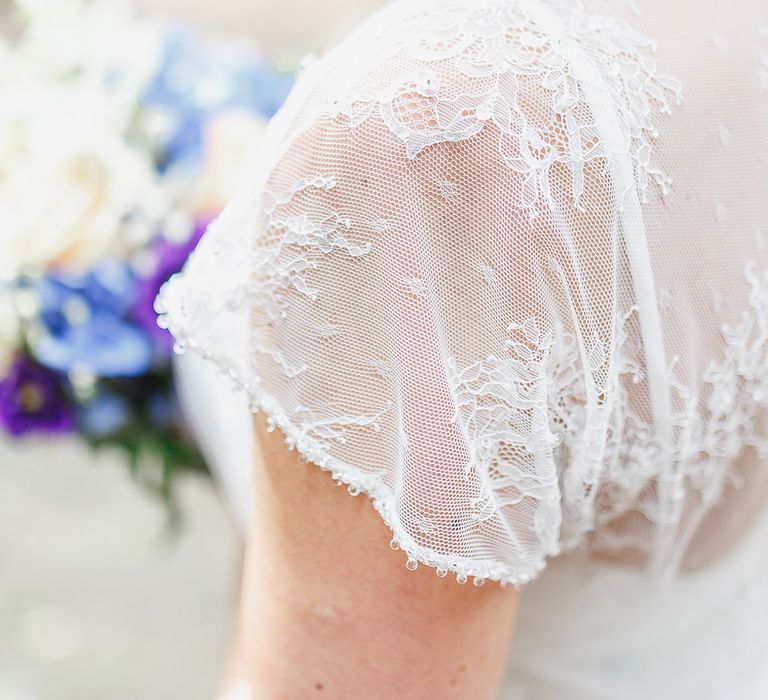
{"points": [[709, 432], [503, 403], [310, 240], [739, 382], [429, 294], [538, 71]]}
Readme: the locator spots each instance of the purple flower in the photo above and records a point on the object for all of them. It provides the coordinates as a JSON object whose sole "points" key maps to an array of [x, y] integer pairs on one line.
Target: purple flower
{"points": [[169, 258], [32, 399]]}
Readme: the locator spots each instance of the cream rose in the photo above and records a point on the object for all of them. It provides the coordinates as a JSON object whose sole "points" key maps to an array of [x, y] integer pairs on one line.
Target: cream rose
{"points": [[68, 181], [233, 140], [71, 181]]}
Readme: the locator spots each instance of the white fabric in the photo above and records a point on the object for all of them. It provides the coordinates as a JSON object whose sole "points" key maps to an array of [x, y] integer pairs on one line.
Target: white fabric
{"points": [[588, 630], [220, 421], [501, 265]]}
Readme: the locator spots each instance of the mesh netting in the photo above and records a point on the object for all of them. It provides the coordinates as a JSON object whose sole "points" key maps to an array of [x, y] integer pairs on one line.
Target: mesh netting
{"points": [[499, 267]]}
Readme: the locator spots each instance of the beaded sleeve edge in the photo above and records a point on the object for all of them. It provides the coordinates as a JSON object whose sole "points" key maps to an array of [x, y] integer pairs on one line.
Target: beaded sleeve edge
{"points": [[343, 473]]}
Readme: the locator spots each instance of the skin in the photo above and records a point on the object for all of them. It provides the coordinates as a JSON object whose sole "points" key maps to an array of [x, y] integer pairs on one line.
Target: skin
{"points": [[329, 610]]}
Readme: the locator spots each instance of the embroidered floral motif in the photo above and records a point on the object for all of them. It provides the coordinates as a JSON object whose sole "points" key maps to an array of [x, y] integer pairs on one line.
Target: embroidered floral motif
{"points": [[502, 404], [537, 71], [714, 421], [551, 433], [739, 382], [291, 243]]}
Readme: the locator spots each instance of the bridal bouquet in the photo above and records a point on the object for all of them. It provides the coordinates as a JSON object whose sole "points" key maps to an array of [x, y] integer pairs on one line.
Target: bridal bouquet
{"points": [[120, 139]]}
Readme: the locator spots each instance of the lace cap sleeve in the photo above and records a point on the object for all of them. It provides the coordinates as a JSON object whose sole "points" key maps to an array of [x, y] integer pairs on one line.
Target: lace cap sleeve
{"points": [[419, 287]]}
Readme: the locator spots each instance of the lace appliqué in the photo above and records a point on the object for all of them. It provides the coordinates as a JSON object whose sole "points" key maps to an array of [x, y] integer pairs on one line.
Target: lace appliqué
{"points": [[550, 426], [502, 404], [291, 243], [739, 382], [537, 434], [715, 420], [525, 68]]}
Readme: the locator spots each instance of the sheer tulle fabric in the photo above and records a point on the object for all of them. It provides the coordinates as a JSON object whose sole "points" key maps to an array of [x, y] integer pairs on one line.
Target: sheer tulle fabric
{"points": [[500, 267]]}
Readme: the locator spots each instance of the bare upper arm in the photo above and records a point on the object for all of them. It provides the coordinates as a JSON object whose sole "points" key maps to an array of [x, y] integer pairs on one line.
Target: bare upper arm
{"points": [[330, 610]]}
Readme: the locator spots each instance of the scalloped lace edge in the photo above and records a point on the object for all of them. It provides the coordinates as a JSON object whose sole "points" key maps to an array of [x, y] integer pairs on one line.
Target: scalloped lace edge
{"points": [[345, 474]]}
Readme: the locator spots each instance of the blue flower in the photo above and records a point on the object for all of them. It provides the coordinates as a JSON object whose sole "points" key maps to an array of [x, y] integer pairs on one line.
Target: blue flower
{"points": [[195, 81], [84, 325], [104, 415], [163, 409]]}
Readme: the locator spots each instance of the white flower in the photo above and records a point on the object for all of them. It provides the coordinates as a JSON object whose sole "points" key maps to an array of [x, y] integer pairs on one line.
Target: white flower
{"points": [[232, 142], [68, 180], [86, 41], [69, 175]]}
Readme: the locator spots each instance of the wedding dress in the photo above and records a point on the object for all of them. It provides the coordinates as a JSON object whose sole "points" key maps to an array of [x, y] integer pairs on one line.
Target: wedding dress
{"points": [[501, 266]]}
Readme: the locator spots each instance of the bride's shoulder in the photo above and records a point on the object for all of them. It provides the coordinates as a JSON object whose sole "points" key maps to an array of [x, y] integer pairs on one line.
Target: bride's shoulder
{"points": [[482, 38], [569, 79]]}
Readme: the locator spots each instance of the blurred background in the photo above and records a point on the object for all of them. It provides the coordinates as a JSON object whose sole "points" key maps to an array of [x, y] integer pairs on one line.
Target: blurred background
{"points": [[97, 598], [122, 132]]}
